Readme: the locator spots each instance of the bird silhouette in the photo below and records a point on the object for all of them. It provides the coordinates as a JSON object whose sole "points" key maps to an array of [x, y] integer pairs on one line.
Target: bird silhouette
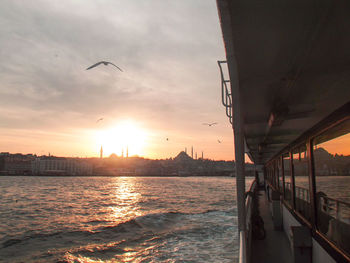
{"points": [[167, 139], [100, 119], [210, 124], [219, 141], [104, 63]]}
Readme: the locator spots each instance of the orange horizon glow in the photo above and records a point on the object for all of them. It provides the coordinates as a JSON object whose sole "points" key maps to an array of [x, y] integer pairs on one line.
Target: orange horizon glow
{"points": [[142, 139], [339, 145]]}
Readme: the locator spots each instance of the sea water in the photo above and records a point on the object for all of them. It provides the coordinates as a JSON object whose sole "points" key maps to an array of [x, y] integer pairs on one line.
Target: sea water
{"points": [[118, 219]]}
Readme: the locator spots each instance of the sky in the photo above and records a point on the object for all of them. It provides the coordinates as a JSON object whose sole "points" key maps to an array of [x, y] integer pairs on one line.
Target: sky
{"points": [[169, 87]]}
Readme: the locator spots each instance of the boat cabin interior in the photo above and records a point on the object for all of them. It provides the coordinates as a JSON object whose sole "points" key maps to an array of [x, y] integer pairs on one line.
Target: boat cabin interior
{"points": [[286, 89]]}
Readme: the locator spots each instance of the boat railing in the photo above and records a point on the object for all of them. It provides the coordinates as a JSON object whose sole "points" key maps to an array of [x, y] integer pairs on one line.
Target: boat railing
{"points": [[245, 238], [226, 96], [333, 207], [248, 202], [302, 193], [338, 209]]}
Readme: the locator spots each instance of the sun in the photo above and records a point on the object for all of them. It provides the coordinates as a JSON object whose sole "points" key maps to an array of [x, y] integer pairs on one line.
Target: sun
{"points": [[124, 136]]}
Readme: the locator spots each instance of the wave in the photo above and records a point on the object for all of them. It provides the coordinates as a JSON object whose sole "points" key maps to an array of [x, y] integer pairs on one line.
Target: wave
{"points": [[162, 235], [11, 242], [156, 223]]}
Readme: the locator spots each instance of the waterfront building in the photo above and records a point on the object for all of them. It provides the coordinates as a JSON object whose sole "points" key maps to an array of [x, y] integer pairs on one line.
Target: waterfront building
{"points": [[16, 164], [61, 166], [18, 167]]}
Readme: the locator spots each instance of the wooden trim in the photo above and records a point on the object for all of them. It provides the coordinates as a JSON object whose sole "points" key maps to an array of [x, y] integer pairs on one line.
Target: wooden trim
{"points": [[336, 253], [312, 183]]}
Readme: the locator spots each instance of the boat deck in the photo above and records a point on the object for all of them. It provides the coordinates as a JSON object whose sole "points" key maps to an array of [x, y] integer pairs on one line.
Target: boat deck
{"points": [[275, 247]]}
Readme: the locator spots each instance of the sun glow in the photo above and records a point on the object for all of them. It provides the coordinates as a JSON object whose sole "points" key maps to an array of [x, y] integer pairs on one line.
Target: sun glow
{"points": [[125, 137]]}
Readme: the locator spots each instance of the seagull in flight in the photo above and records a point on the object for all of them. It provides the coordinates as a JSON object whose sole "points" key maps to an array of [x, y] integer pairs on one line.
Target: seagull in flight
{"points": [[104, 63], [219, 141], [100, 119], [210, 124]]}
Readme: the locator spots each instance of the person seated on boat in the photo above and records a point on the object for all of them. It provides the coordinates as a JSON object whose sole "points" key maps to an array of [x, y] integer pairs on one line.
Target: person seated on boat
{"points": [[322, 211], [321, 195]]}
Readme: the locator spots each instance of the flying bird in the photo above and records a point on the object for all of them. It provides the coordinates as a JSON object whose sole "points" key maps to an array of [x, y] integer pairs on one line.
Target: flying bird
{"points": [[104, 63], [210, 124], [219, 141], [167, 139], [100, 119]]}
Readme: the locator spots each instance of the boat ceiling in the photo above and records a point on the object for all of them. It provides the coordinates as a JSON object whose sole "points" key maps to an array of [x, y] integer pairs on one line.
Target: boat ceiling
{"points": [[293, 66]]}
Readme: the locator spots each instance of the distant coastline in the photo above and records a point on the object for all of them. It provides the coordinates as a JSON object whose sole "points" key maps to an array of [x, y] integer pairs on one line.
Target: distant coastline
{"points": [[42, 175]]}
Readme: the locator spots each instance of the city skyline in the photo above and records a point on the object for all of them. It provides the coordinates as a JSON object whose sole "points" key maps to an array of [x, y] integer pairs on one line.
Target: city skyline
{"points": [[124, 153]]}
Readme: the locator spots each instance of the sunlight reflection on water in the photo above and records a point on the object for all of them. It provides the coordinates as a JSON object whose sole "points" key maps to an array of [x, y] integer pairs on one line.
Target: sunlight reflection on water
{"points": [[126, 200], [117, 219]]}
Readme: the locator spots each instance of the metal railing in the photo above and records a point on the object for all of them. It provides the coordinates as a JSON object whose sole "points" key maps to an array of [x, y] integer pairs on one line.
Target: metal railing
{"points": [[226, 95], [335, 208], [246, 237], [248, 203], [338, 209], [302, 193]]}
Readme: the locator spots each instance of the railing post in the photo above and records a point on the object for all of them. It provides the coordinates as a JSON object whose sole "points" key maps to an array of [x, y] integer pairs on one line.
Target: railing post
{"points": [[292, 179], [312, 184]]}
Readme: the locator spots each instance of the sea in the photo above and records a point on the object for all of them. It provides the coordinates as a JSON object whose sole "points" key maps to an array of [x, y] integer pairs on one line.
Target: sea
{"points": [[118, 219]]}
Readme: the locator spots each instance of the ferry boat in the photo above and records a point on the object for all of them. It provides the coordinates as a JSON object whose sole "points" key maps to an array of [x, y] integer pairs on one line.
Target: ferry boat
{"points": [[285, 85]]}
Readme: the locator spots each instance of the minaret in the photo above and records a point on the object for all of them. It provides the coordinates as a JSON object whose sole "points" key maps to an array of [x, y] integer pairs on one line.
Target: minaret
{"points": [[196, 155], [202, 155], [101, 152], [192, 152], [186, 150], [127, 151]]}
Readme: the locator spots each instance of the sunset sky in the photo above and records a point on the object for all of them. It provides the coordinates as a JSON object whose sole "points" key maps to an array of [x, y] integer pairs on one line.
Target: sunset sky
{"points": [[170, 84]]}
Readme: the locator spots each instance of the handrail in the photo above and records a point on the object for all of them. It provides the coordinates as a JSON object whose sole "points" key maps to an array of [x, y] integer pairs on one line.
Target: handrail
{"points": [[327, 204], [336, 200], [245, 237], [242, 247], [330, 204], [248, 202], [226, 96]]}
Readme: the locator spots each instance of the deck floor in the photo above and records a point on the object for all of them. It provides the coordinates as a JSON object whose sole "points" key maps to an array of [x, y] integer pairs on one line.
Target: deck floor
{"points": [[275, 247]]}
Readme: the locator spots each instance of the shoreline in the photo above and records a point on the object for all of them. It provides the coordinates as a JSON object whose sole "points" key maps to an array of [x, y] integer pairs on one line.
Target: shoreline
{"points": [[18, 175]]}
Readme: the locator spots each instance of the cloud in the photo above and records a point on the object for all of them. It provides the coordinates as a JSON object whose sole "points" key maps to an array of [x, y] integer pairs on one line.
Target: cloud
{"points": [[167, 49]]}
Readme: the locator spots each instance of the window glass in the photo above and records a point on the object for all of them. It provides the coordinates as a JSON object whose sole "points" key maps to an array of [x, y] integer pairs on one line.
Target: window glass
{"points": [[269, 173], [287, 179], [331, 153], [280, 174], [301, 181], [275, 173]]}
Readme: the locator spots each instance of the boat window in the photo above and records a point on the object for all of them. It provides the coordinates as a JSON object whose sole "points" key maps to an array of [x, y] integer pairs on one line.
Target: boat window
{"points": [[270, 174], [275, 173], [331, 151], [301, 181], [287, 179], [280, 174]]}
